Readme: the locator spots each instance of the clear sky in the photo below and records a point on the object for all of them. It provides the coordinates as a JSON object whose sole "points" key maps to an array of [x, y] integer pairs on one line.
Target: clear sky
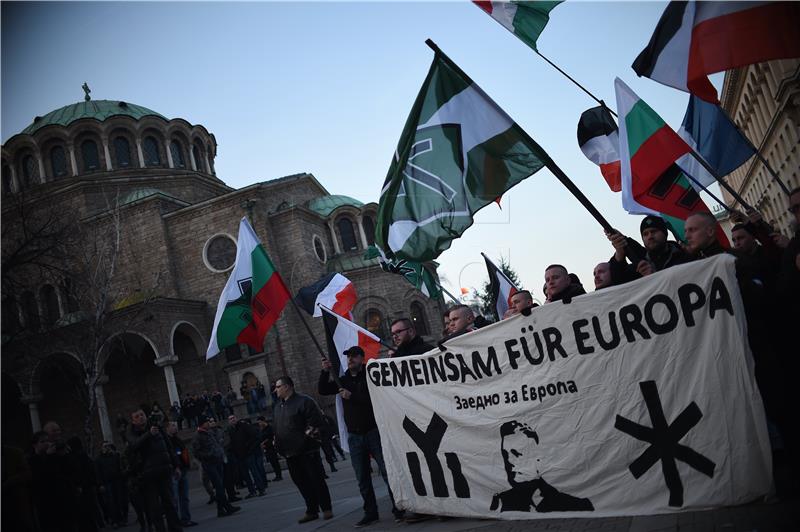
{"points": [[326, 88]]}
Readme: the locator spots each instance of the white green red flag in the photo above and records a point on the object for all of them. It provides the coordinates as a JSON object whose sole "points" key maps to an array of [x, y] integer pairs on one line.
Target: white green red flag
{"points": [[252, 299], [695, 39], [502, 289], [459, 151], [526, 20], [652, 181]]}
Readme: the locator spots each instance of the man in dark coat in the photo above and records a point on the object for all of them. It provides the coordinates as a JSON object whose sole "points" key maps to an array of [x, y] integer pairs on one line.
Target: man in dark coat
{"points": [[658, 253], [560, 285], [267, 437], [404, 336], [207, 448], [246, 445], [111, 477], [153, 462], [363, 437], [297, 423], [55, 484], [529, 491]]}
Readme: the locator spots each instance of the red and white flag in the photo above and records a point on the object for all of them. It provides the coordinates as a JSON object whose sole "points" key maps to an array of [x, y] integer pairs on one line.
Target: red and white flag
{"points": [[334, 291], [501, 287], [695, 39], [598, 137]]}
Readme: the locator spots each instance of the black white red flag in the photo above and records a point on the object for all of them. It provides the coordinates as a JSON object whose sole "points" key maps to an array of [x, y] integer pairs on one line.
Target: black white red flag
{"points": [[334, 291], [501, 287], [598, 137]]}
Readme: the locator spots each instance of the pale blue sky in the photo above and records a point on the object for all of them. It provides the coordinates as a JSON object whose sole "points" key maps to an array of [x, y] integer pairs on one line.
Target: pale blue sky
{"points": [[326, 88]]}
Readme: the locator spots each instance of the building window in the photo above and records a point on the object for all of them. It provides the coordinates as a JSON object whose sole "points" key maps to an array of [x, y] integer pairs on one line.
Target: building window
{"points": [[210, 159], [152, 157], [369, 229], [319, 249], [91, 160], [198, 158], [418, 319], [68, 293], [374, 323], [347, 234], [50, 303], [8, 181], [30, 311], [219, 253], [122, 151], [176, 150], [30, 171], [58, 161]]}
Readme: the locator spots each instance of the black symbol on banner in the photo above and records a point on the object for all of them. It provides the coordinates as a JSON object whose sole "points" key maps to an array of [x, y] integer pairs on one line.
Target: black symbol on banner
{"points": [[519, 445], [429, 442], [663, 439]]}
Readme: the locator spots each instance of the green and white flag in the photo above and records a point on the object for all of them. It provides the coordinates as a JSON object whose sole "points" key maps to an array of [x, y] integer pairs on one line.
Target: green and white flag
{"points": [[526, 20], [458, 153], [414, 272]]}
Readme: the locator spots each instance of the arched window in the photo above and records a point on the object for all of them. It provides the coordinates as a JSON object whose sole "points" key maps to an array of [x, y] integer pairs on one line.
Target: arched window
{"points": [[418, 318], [30, 311], [30, 171], [10, 316], [8, 181], [50, 303], [210, 159], [91, 160], [374, 323], [347, 234], [176, 150], [152, 157], [369, 229], [58, 161], [122, 151], [198, 158]]}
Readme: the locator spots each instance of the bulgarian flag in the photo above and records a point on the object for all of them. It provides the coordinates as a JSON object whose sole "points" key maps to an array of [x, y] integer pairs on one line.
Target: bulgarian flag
{"points": [[695, 39], [526, 20], [652, 182], [252, 299]]}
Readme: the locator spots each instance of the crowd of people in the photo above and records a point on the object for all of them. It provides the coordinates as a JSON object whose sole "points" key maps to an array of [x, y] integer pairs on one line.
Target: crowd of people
{"points": [[150, 474]]}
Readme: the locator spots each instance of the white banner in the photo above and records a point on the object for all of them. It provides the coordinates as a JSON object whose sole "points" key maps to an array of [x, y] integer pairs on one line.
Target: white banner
{"points": [[636, 399]]}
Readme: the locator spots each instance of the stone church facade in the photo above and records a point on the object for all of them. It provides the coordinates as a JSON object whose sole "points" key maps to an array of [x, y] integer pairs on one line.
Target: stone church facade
{"points": [[111, 162]]}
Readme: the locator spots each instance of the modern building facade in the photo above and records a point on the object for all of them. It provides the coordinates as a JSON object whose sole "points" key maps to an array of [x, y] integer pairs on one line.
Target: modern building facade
{"points": [[116, 164]]}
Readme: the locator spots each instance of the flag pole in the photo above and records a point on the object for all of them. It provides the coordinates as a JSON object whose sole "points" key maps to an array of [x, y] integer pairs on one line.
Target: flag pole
{"points": [[722, 183], [456, 301], [584, 89], [316, 343], [758, 152]]}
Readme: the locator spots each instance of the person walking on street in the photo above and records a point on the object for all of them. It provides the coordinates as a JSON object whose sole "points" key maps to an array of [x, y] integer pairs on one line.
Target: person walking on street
{"points": [[297, 424], [246, 445], [207, 448], [180, 484], [363, 438], [267, 437]]}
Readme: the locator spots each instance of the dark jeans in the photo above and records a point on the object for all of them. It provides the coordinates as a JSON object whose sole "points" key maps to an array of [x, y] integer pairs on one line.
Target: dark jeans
{"points": [[213, 471], [115, 500], [157, 492], [180, 494], [255, 466], [335, 443], [309, 477], [272, 458], [361, 447]]}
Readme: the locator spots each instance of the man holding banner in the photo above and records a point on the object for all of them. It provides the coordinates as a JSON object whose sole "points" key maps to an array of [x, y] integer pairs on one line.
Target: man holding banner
{"points": [[363, 438]]}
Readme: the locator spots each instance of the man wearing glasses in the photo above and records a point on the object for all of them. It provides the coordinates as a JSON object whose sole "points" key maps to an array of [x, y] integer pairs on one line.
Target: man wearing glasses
{"points": [[404, 336]]}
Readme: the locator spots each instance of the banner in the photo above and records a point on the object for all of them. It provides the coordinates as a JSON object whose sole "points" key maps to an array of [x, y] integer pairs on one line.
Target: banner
{"points": [[635, 399]]}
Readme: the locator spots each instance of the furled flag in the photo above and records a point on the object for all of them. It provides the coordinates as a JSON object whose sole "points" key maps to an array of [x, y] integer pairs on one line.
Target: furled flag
{"points": [[335, 291], [501, 287], [342, 334], [252, 299], [712, 134], [414, 272], [526, 20], [458, 152], [598, 138], [695, 39], [651, 179]]}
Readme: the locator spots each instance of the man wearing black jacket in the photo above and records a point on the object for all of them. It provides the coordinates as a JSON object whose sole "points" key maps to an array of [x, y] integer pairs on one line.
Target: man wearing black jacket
{"points": [[154, 463], [404, 336], [658, 253], [560, 285], [363, 436], [297, 423], [246, 446]]}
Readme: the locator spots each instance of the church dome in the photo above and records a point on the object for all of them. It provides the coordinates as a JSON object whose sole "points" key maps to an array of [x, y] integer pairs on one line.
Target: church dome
{"points": [[99, 110], [325, 205]]}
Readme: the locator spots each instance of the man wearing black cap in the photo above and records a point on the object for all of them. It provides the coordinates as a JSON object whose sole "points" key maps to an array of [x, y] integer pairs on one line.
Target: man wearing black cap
{"points": [[659, 253], [363, 437]]}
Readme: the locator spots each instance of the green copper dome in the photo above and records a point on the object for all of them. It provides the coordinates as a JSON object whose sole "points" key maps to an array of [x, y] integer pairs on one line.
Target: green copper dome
{"points": [[96, 109], [325, 205]]}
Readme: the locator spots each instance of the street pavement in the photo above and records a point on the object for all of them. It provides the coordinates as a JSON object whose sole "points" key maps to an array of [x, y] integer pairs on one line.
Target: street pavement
{"points": [[280, 508]]}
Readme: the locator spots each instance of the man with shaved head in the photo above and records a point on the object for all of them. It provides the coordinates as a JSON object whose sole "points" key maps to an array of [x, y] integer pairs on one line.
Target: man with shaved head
{"points": [[700, 229], [462, 320], [559, 285]]}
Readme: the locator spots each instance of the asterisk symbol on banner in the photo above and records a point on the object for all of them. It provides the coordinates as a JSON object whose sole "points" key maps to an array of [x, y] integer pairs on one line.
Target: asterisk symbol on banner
{"points": [[663, 439]]}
